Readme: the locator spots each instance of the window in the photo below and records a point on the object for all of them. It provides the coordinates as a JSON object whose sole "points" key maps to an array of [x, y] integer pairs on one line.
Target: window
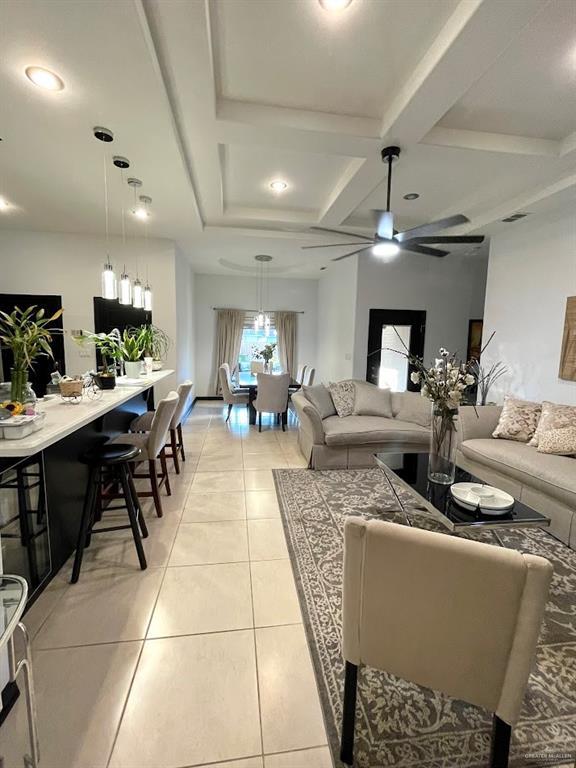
{"points": [[254, 340]]}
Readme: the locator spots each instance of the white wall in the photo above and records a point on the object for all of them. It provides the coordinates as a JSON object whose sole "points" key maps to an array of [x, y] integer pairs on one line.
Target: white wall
{"points": [[336, 320], [70, 266], [241, 293], [451, 290], [532, 270], [185, 338]]}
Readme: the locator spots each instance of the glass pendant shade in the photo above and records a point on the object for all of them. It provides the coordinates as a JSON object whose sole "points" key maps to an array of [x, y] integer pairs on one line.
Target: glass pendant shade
{"points": [[147, 298], [125, 289], [260, 319], [256, 322], [137, 294], [267, 324], [109, 285]]}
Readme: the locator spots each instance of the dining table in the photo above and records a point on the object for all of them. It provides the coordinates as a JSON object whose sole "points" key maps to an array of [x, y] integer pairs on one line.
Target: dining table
{"points": [[249, 381]]}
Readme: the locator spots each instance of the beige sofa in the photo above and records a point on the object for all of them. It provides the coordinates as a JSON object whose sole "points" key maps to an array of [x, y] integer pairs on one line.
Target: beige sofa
{"points": [[351, 441], [546, 483]]}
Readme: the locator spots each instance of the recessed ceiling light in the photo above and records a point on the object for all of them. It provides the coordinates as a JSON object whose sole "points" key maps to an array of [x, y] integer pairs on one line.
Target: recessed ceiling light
{"points": [[334, 5], [45, 79], [411, 196], [278, 185], [4, 204]]}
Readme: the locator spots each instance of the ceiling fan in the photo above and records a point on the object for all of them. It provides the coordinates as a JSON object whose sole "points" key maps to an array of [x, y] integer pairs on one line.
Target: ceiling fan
{"points": [[387, 242]]}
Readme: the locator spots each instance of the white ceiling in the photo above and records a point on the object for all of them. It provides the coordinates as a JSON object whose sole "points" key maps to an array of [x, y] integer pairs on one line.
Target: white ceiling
{"points": [[211, 100]]}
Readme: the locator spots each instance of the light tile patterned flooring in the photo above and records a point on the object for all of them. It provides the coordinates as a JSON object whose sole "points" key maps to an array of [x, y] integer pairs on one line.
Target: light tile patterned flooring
{"points": [[202, 658]]}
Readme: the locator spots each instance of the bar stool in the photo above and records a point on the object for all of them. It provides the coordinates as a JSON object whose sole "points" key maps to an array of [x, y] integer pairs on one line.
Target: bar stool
{"points": [[143, 423], [109, 463]]}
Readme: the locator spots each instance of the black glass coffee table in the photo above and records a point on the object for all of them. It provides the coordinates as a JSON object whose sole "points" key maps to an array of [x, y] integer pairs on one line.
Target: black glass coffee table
{"points": [[411, 469]]}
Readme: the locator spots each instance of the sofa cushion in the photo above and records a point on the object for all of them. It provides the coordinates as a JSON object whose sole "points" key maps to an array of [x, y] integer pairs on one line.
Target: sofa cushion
{"points": [[553, 475], [343, 394], [411, 406], [372, 401], [358, 430], [518, 420], [321, 399]]}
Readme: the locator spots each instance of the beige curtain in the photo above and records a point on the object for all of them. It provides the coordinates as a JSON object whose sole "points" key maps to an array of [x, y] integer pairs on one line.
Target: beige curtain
{"points": [[285, 323], [229, 326]]}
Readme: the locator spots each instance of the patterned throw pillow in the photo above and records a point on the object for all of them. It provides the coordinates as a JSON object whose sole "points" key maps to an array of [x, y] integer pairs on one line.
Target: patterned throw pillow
{"points": [[561, 442], [518, 420], [343, 395], [554, 416]]}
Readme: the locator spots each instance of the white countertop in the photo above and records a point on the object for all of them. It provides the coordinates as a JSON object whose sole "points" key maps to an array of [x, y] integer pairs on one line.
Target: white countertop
{"points": [[63, 418]]}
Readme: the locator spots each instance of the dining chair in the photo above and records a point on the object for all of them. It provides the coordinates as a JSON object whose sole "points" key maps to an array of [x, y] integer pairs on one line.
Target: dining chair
{"points": [[230, 397], [272, 396], [446, 613], [152, 446], [143, 423], [300, 372], [309, 374]]}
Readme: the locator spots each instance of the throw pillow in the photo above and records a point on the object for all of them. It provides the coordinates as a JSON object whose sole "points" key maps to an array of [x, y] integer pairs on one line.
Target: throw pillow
{"points": [[321, 399], [343, 394], [561, 442], [554, 416], [372, 401], [518, 420]]}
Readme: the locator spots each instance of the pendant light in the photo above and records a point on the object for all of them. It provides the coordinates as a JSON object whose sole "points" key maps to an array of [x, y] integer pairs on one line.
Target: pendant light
{"points": [[262, 319], [137, 288], [125, 290], [147, 289], [109, 285]]}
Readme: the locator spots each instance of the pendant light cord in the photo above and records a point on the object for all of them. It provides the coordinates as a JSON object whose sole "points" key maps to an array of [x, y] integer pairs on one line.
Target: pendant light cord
{"points": [[106, 205]]}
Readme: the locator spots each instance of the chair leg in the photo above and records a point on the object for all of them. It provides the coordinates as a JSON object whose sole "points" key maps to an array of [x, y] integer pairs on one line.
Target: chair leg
{"points": [[500, 747], [139, 513], [164, 466], [132, 516], [154, 485], [259, 421], [181, 442], [284, 420], [87, 513], [174, 445], [349, 714], [229, 411]]}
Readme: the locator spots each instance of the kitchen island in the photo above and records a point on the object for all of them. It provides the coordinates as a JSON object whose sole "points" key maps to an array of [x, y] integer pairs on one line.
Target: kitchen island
{"points": [[42, 481]]}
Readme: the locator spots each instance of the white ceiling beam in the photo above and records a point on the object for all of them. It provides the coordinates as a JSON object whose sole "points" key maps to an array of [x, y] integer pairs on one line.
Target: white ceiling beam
{"points": [[491, 142], [476, 34], [238, 213], [568, 146]]}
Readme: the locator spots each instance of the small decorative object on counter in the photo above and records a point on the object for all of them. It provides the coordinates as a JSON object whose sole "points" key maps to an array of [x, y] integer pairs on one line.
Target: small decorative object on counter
{"points": [[132, 346], [110, 347], [27, 334], [71, 389]]}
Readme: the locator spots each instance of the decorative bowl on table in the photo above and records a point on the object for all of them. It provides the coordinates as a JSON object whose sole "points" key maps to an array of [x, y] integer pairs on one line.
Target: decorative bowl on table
{"points": [[486, 498]]}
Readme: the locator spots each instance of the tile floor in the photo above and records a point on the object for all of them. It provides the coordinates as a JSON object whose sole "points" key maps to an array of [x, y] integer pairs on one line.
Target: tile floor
{"points": [[201, 659]]}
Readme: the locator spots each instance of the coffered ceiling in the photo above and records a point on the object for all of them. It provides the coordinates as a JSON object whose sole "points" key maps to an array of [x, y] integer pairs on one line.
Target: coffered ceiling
{"points": [[211, 100]]}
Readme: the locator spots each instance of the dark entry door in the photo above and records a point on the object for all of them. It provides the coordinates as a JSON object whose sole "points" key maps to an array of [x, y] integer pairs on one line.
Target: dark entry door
{"points": [[388, 330]]}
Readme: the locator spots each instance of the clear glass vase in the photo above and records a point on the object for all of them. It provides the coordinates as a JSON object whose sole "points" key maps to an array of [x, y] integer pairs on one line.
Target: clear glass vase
{"points": [[443, 444], [18, 384]]}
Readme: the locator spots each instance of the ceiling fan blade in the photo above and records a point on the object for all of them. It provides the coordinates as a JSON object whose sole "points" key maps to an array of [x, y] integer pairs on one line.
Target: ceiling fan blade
{"points": [[339, 232], [423, 250], [346, 255], [330, 245], [446, 239], [435, 226], [385, 224]]}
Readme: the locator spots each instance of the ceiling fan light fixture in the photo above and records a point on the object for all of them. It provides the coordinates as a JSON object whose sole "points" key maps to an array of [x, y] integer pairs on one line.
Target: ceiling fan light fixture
{"points": [[386, 250]]}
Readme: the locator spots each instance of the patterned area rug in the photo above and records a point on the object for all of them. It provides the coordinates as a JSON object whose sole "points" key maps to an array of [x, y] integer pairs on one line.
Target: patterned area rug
{"points": [[400, 724]]}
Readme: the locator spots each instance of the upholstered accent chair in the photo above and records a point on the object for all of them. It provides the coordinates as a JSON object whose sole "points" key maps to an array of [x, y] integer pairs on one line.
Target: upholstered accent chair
{"points": [[152, 446], [230, 396], [272, 397], [143, 423], [446, 613], [309, 374], [300, 373]]}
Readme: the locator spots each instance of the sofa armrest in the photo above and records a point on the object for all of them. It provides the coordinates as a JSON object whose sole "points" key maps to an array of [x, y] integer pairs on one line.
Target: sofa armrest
{"points": [[478, 422], [309, 418]]}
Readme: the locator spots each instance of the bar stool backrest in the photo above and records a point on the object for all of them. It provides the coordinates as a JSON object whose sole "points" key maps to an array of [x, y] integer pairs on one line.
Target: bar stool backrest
{"points": [[184, 390], [161, 423]]}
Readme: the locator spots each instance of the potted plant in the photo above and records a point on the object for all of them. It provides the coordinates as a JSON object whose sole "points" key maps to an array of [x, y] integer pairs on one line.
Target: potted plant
{"points": [[156, 343], [27, 333], [110, 347], [266, 354], [132, 348]]}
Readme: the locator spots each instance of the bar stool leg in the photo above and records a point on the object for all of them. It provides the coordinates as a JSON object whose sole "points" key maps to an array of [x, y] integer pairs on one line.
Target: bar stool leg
{"points": [[154, 485], [140, 514], [181, 442], [87, 513], [132, 516], [174, 445], [164, 466]]}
